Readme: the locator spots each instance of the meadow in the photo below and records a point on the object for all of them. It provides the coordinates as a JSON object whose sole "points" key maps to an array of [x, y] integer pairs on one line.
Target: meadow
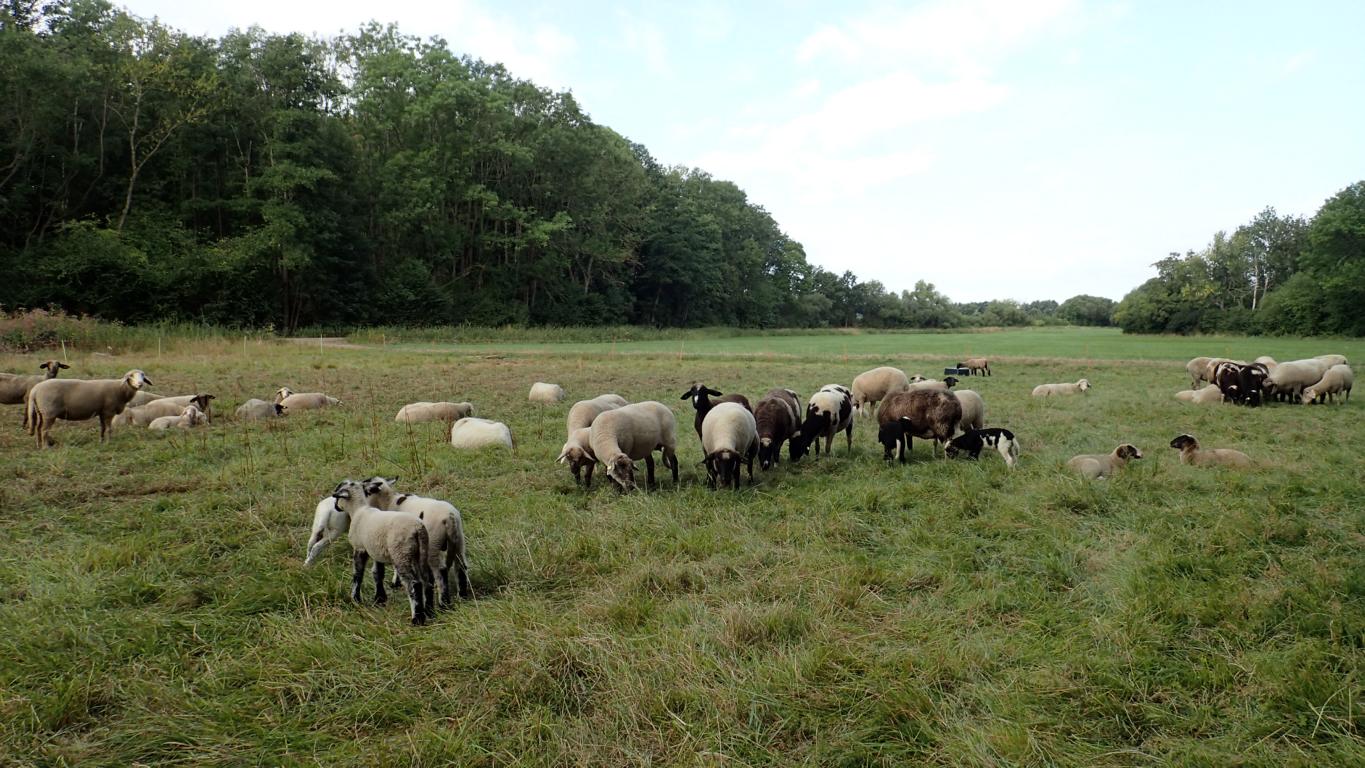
{"points": [[842, 611]]}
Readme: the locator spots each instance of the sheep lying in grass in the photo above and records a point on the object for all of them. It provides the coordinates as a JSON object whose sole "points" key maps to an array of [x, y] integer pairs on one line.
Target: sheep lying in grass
{"points": [[1192, 454], [1097, 465], [190, 416], [545, 394], [973, 410], [577, 450], [472, 433], [144, 415], [1048, 390], [1338, 379], [871, 387], [303, 401], [392, 538], [778, 419], [445, 532], [973, 441], [946, 384], [926, 414], [77, 400], [423, 412], [1205, 396], [624, 435], [729, 435], [255, 409], [14, 387]]}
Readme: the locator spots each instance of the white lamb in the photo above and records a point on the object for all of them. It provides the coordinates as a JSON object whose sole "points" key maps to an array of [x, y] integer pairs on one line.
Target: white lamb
{"points": [[394, 538], [189, 417], [1048, 390], [255, 409], [546, 394], [445, 532], [1338, 379], [471, 432], [422, 412]]}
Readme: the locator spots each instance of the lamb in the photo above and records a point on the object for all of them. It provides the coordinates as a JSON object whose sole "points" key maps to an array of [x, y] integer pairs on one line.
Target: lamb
{"points": [[946, 384], [422, 412], [1097, 465], [471, 433], [255, 409], [973, 440], [778, 419], [701, 395], [1332, 360], [577, 450], [828, 412], [14, 387], [871, 387], [728, 436], [189, 417], [77, 400], [624, 435], [393, 538], [1048, 390], [1205, 396], [445, 533], [303, 401], [1339, 378], [546, 394], [976, 364], [973, 410], [144, 415], [925, 413], [1290, 379], [1192, 454]]}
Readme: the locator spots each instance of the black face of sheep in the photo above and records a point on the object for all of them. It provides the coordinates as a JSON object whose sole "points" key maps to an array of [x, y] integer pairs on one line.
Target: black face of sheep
{"points": [[1184, 440], [622, 473], [797, 446], [1130, 451], [969, 443], [892, 437], [698, 393], [769, 453]]}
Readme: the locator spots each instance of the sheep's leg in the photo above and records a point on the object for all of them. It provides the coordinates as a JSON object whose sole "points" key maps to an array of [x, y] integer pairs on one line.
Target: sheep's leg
{"points": [[587, 475], [576, 470], [358, 562], [649, 471], [104, 426], [443, 575], [428, 584], [673, 465], [849, 433], [462, 576], [416, 606], [380, 596]]}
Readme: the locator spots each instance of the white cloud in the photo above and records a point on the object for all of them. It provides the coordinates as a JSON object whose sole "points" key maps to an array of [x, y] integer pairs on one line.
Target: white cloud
{"points": [[645, 41]]}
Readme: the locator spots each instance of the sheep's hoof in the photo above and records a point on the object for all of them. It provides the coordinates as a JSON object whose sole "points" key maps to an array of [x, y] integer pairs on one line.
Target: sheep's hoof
{"points": [[419, 620], [381, 599]]}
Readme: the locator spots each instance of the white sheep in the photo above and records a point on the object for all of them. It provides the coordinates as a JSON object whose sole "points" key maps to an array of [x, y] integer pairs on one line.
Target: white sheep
{"points": [[14, 387], [1338, 379], [973, 410], [471, 432], [577, 453], [445, 532], [421, 412], [1267, 361], [1097, 465], [584, 412], [921, 383], [77, 400], [546, 394], [143, 397], [1196, 368], [190, 416], [729, 435], [255, 409], [871, 387], [1332, 360], [392, 538], [624, 435], [1205, 396], [1289, 379], [143, 415], [1048, 390], [303, 401]]}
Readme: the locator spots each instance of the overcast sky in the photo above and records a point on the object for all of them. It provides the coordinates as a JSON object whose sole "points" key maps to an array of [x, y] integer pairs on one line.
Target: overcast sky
{"points": [[1024, 149]]}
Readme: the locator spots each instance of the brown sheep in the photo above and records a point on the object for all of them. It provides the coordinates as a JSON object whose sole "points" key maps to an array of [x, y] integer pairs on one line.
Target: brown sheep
{"points": [[924, 413], [778, 416], [976, 364]]}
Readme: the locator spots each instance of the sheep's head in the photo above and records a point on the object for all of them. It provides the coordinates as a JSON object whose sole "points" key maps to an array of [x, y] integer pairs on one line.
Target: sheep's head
{"points": [[53, 367], [279, 409], [699, 393], [797, 445], [916, 378], [950, 381], [1309, 395], [1084, 385], [202, 400], [1128, 452], [381, 490], [348, 495], [621, 470], [193, 416], [282, 393], [1183, 441], [889, 435], [136, 379]]}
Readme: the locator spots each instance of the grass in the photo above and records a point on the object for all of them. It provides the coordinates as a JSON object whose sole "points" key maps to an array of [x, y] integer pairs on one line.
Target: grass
{"points": [[840, 612]]}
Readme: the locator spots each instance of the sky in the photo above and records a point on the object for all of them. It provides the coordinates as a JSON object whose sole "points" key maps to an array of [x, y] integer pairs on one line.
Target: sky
{"points": [[1021, 149]]}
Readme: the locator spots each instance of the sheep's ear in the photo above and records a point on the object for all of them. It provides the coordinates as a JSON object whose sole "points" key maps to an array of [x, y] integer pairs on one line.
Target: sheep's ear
{"points": [[45, 365], [688, 394], [210, 397], [713, 393], [562, 456], [906, 421], [63, 365], [392, 480]]}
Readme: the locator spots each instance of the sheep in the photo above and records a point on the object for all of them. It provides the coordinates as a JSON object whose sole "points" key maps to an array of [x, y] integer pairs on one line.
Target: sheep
{"points": [[545, 394], [828, 412], [729, 435], [1205, 396], [303, 401], [975, 364], [1192, 454], [946, 384], [1332, 360], [624, 435], [1339, 378], [1267, 361], [973, 410], [925, 413], [77, 400], [189, 417], [143, 415], [1097, 465], [1212, 367], [1242, 384], [584, 412], [14, 387], [143, 397], [973, 440], [445, 533], [871, 387], [471, 432], [415, 413], [393, 538], [1196, 368], [1289, 379], [577, 450], [1048, 390], [254, 409], [778, 419], [701, 395]]}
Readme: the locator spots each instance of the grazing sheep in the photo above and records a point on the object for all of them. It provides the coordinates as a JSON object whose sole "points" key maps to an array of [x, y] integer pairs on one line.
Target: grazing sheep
{"points": [[1048, 390], [871, 387], [584, 412], [1332, 360], [422, 412], [828, 412], [1192, 454], [778, 419], [255, 409], [624, 435], [973, 410], [1339, 378], [1241, 384], [729, 435], [975, 365], [143, 415], [925, 413], [77, 400], [14, 387], [577, 453], [393, 538], [1267, 361], [1289, 379], [546, 394], [701, 395], [1196, 368], [303, 401], [445, 533], [471, 432], [1096, 465], [189, 417], [1211, 368], [934, 384], [973, 440], [1205, 396]]}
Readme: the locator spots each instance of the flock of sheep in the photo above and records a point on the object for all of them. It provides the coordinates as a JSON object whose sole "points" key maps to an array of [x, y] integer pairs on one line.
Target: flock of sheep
{"points": [[423, 538]]}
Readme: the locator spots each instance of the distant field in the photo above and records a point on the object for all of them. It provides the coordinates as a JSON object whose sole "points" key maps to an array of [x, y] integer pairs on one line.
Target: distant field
{"points": [[840, 612]]}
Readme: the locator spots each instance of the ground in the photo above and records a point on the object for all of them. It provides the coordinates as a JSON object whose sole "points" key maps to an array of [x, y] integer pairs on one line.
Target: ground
{"points": [[840, 612]]}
